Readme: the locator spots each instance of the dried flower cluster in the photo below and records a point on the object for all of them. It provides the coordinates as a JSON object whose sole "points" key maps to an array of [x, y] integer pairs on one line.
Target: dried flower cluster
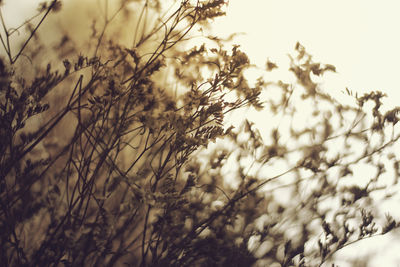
{"points": [[102, 149]]}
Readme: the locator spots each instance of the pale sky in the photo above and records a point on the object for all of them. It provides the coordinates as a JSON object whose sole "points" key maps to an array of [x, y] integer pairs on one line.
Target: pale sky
{"points": [[359, 37]]}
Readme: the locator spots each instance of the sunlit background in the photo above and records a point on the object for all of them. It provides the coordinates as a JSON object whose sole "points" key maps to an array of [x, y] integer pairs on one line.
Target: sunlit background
{"points": [[359, 37]]}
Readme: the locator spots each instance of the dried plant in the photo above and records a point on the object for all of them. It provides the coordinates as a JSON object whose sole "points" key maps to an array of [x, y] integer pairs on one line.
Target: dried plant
{"points": [[105, 156]]}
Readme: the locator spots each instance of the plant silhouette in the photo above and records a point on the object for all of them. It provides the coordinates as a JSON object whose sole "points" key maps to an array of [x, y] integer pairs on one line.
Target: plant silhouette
{"points": [[115, 149]]}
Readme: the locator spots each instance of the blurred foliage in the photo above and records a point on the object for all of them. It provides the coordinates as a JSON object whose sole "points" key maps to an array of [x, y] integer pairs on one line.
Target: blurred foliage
{"points": [[115, 149]]}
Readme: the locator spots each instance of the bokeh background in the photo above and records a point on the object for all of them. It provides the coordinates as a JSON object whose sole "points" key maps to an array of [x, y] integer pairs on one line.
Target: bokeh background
{"points": [[359, 37]]}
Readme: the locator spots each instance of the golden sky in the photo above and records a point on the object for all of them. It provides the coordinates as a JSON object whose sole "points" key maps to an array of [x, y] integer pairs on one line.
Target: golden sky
{"points": [[359, 37]]}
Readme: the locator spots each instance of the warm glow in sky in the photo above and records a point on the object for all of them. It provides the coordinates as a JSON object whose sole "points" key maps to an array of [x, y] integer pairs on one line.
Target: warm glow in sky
{"points": [[359, 37]]}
